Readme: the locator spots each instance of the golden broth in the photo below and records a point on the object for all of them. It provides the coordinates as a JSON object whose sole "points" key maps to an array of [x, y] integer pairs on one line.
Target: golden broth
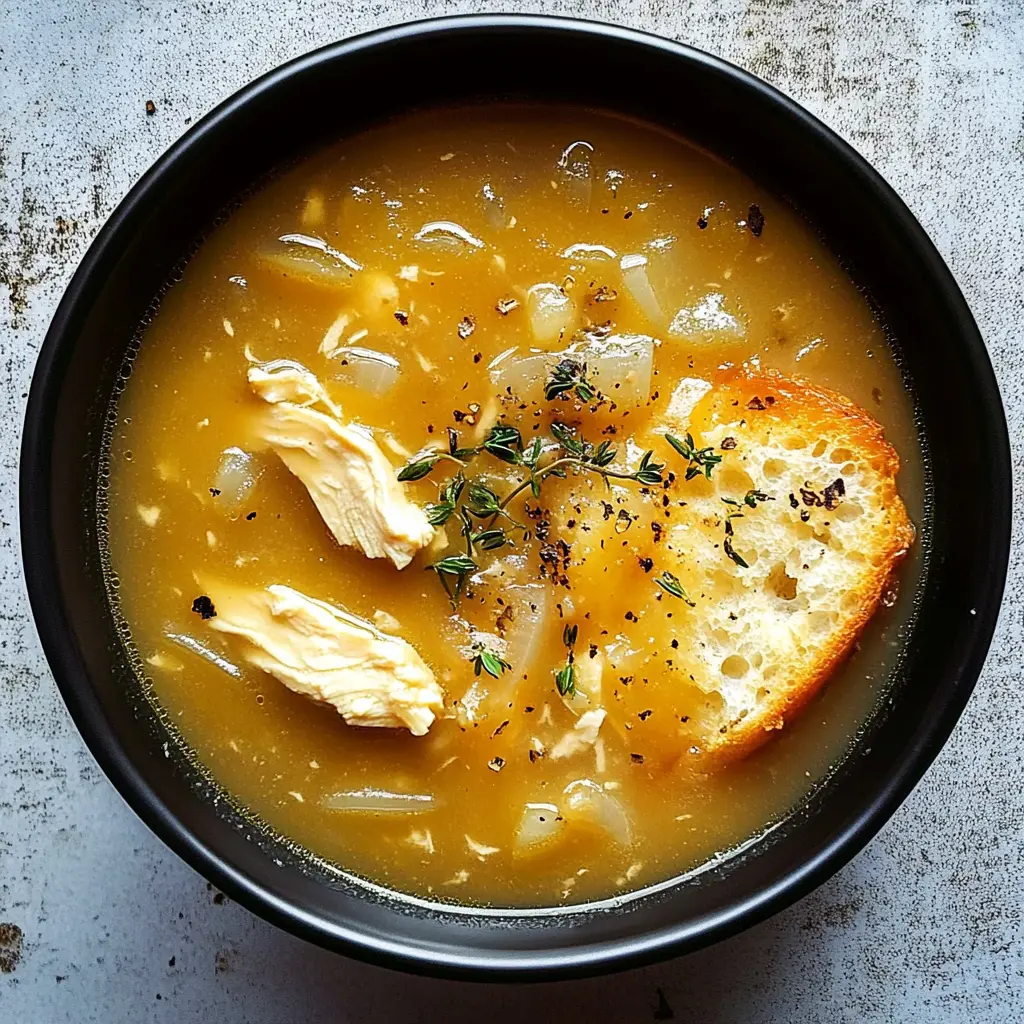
{"points": [[495, 172]]}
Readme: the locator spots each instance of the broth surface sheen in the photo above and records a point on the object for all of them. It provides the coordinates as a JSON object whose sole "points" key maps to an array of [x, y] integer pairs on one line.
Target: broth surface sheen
{"points": [[451, 216]]}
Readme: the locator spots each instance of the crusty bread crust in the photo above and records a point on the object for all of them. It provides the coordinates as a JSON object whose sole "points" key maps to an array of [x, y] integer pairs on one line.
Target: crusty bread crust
{"points": [[771, 402]]}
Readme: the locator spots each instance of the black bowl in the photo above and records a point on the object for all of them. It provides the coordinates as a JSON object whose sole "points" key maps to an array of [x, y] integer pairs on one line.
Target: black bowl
{"points": [[328, 94]]}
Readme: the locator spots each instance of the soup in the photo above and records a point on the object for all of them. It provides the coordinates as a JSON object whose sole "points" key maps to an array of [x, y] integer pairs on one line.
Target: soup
{"points": [[333, 476]]}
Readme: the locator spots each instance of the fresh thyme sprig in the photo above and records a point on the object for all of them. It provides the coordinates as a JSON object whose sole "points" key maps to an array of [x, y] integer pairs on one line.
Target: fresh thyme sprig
{"points": [[486, 660], [699, 460], [453, 571], [420, 465], [565, 677], [473, 500], [568, 376], [669, 582], [439, 512]]}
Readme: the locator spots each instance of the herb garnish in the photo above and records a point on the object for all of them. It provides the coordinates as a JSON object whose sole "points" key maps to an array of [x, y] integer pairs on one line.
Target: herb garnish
{"points": [[699, 460], [729, 550], [486, 660], [453, 571], [565, 677], [569, 375], [669, 582], [472, 499]]}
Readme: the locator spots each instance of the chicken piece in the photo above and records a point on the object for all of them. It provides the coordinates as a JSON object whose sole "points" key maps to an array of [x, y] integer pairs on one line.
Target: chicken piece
{"points": [[582, 737], [322, 652], [349, 478]]}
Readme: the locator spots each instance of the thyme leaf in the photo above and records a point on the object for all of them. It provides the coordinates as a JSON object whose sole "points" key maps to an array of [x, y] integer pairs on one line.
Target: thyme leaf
{"points": [[699, 460], [486, 660], [669, 582], [568, 376]]}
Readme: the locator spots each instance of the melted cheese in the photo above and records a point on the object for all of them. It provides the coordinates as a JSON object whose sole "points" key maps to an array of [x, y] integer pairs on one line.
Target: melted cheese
{"points": [[315, 649], [350, 480]]}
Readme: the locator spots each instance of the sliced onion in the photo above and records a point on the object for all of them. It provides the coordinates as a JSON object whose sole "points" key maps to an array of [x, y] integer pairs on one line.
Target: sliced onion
{"points": [[524, 374], [636, 282], [621, 365], [190, 643], [576, 172], [238, 473], [525, 633], [539, 826], [687, 393], [366, 369], [587, 803], [706, 320], [447, 234], [493, 207], [552, 313], [311, 260], [379, 801], [583, 251]]}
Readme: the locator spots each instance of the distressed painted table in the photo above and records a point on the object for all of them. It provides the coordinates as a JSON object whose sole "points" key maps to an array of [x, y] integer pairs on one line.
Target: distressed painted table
{"points": [[100, 922]]}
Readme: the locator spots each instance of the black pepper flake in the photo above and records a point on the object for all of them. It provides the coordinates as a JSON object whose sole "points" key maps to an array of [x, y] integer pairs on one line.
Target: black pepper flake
{"points": [[647, 564], [728, 443], [644, 715], [402, 317], [675, 644], [702, 222], [593, 650], [792, 501], [150, 108], [529, 708], [637, 758], [215, 491], [477, 356], [627, 215], [496, 764], [203, 607], [250, 516], [755, 220], [501, 728], [467, 325], [811, 498], [458, 415], [534, 755], [805, 516], [755, 403], [832, 493]]}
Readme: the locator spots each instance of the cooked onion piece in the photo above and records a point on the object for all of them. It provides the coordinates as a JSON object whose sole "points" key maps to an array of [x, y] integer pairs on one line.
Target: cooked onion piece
{"points": [[238, 473], [366, 369], [636, 282], [576, 174], [539, 827], [707, 320], [588, 804], [379, 801], [310, 260], [448, 235], [552, 312]]}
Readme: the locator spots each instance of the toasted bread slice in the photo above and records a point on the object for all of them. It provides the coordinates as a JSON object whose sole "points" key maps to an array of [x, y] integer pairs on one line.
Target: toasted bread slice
{"points": [[784, 587]]}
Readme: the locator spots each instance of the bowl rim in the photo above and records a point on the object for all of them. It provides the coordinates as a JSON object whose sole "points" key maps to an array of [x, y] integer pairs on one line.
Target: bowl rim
{"points": [[42, 577]]}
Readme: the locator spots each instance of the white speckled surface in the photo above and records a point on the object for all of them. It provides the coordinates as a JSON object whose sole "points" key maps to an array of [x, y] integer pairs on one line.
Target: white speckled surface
{"points": [[925, 925]]}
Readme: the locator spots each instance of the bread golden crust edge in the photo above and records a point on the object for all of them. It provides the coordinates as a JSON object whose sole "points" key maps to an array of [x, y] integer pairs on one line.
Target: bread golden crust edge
{"points": [[801, 402]]}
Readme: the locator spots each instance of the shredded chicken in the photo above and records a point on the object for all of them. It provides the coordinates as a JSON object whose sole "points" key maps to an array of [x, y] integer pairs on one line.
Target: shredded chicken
{"points": [[350, 480], [583, 735], [315, 649]]}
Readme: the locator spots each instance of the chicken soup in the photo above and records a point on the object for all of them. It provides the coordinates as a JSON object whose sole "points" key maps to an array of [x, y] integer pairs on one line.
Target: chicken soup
{"points": [[495, 493]]}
